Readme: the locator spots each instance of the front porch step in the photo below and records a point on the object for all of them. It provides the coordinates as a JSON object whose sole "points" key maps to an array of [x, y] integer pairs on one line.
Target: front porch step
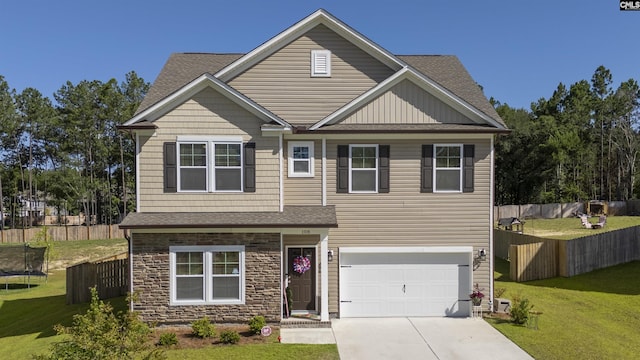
{"points": [[299, 323]]}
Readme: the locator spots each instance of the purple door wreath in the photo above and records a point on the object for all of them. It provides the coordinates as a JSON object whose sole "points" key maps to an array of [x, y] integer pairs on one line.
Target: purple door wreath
{"points": [[301, 264]]}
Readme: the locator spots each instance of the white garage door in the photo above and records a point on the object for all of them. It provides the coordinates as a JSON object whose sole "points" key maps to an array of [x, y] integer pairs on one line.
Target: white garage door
{"points": [[374, 283]]}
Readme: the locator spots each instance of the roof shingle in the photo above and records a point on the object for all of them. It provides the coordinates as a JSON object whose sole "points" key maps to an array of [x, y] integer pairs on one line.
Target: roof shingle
{"points": [[291, 216], [446, 70]]}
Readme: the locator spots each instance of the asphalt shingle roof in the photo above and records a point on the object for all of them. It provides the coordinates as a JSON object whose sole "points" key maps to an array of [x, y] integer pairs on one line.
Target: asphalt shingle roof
{"points": [[291, 216], [446, 70]]}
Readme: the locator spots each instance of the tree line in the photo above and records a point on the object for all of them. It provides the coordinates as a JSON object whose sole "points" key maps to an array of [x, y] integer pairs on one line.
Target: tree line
{"points": [[69, 155], [582, 143]]}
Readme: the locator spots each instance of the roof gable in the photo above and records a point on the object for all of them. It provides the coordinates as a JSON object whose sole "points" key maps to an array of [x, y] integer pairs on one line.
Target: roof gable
{"points": [[321, 16], [422, 81], [184, 93]]}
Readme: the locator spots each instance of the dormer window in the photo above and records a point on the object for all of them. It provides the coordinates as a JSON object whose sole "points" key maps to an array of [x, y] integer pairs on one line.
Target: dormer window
{"points": [[320, 63]]}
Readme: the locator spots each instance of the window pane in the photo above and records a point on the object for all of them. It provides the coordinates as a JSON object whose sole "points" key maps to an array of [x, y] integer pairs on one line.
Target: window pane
{"points": [[363, 180], [448, 180], [442, 151], [301, 166], [369, 152], [193, 154], [441, 162], [357, 152], [219, 269], [448, 157], [193, 179], [189, 263], [228, 179], [182, 269], [369, 163], [219, 257], [300, 152], [454, 151], [363, 157], [189, 288], [227, 155], [233, 257], [226, 288]]}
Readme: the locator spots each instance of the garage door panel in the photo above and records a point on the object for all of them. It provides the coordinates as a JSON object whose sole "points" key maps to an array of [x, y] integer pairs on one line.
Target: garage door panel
{"points": [[379, 285]]}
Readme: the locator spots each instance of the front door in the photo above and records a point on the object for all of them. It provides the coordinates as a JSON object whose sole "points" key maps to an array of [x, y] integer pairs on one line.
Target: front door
{"points": [[302, 276]]}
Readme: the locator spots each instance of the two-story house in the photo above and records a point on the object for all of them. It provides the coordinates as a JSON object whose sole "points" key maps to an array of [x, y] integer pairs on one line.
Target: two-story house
{"points": [[361, 179]]}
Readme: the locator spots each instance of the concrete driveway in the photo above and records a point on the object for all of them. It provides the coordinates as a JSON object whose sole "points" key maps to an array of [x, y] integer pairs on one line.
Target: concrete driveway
{"points": [[422, 338]]}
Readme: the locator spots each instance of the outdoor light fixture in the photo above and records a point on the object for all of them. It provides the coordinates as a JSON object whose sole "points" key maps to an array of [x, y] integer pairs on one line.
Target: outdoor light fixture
{"points": [[482, 254], [330, 255]]}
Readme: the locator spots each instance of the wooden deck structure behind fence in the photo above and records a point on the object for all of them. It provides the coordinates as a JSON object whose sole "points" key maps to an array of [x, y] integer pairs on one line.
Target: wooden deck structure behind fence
{"points": [[110, 277], [62, 233]]}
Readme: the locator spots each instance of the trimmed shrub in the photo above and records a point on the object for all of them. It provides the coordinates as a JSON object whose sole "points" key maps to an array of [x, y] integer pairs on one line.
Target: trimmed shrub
{"points": [[229, 337], [168, 339], [256, 324], [520, 310], [203, 328]]}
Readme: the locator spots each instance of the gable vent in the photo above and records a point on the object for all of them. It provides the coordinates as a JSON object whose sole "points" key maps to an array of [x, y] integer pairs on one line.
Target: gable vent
{"points": [[320, 63]]}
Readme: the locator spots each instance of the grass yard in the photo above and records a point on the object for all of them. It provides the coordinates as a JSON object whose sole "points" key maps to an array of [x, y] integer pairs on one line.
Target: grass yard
{"points": [[261, 351], [27, 316], [571, 228], [589, 316]]}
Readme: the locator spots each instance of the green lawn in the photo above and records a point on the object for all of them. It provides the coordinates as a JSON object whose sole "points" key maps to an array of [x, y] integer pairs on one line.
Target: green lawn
{"points": [[259, 351], [27, 316], [590, 316], [571, 228]]}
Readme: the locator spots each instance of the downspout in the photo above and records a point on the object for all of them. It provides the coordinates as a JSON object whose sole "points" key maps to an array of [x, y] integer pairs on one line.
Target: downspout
{"points": [[491, 222], [281, 155], [130, 245], [137, 173], [324, 171]]}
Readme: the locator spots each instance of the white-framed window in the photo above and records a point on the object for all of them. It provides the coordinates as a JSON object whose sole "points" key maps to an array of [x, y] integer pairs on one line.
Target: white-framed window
{"points": [[210, 164], [193, 166], [207, 275], [227, 167], [301, 158], [448, 168], [363, 168], [320, 63]]}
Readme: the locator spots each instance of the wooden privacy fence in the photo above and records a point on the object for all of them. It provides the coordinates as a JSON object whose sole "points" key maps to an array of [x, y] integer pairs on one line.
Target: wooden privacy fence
{"points": [[533, 258], [599, 251], [533, 261], [110, 277], [62, 233]]}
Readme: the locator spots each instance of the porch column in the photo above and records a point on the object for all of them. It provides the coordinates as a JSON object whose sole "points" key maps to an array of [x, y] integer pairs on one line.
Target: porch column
{"points": [[324, 279]]}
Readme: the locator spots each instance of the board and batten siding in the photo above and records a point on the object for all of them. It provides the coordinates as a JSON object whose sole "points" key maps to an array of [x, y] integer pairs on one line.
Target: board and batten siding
{"points": [[407, 217], [300, 98], [406, 103], [208, 113], [303, 190]]}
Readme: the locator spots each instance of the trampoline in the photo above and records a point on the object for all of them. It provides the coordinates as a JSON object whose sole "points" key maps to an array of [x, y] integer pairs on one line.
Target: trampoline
{"points": [[23, 261]]}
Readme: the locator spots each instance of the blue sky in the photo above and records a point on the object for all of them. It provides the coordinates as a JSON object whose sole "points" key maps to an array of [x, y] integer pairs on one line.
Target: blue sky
{"points": [[517, 50]]}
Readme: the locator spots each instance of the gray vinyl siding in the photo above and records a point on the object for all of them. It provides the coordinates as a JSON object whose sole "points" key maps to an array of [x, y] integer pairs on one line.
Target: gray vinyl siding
{"points": [[303, 190], [406, 103], [208, 113], [406, 217], [282, 82]]}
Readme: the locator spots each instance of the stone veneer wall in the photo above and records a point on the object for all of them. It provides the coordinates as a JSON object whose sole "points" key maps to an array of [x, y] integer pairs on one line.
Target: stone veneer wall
{"points": [[262, 280]]}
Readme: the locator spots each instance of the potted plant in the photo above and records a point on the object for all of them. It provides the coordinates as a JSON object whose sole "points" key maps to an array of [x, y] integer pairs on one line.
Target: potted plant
{"points": [[476, 296]]}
